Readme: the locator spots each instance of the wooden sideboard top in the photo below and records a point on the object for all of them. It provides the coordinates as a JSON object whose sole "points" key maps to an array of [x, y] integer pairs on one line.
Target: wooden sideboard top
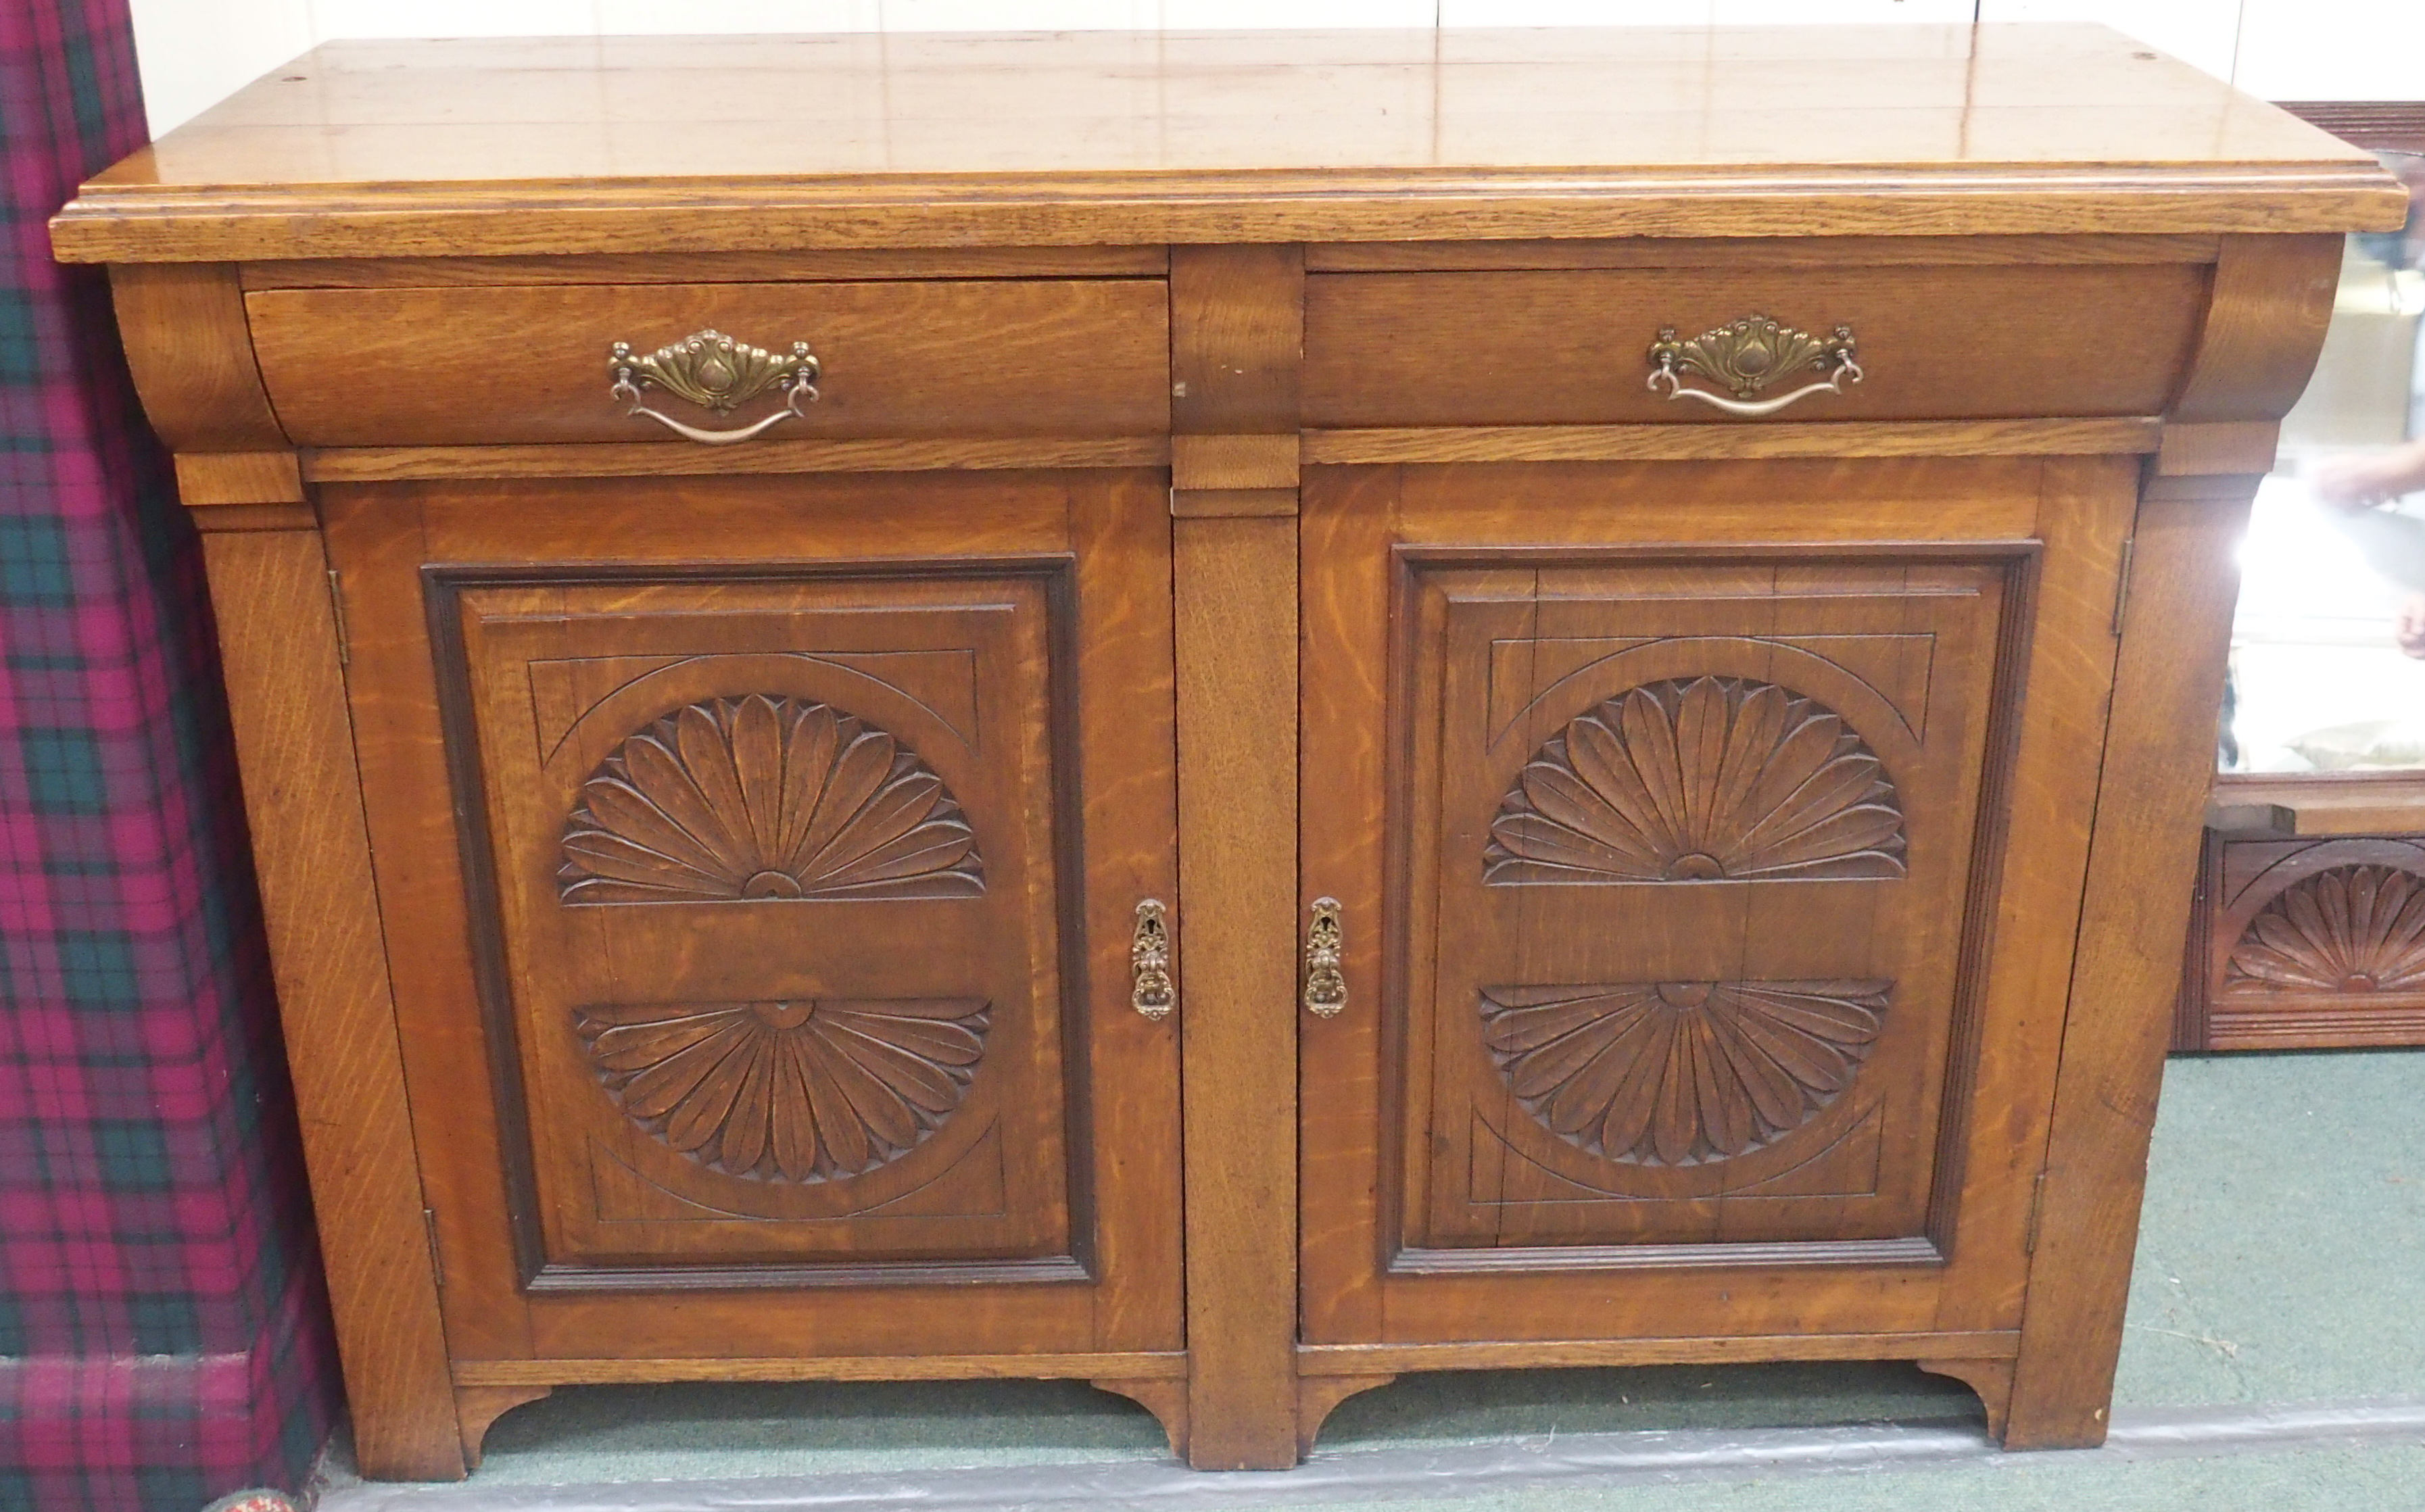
{"points": [[869, 140]]}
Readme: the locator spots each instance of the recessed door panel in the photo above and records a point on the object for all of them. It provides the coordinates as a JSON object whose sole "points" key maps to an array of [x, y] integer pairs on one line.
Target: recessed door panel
{"points": [[1697, 872], [1706, 844], [776, 887], [760, 857]]}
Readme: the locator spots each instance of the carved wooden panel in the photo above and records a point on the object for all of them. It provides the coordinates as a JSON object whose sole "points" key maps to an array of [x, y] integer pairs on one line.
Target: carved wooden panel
{"points": [[1679, 1073], [813, 1091], [766, 797], [2307, 945], [1693, 781], [775, 940], [1688, 892]]}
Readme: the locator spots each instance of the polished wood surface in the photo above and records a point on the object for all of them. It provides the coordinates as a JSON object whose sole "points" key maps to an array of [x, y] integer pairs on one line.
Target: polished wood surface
{"points": [[1369, 1128], [1408, 349], [2302, 925], [1237, 323], [436, 367], [281, 646], [2175, 631], [1235, 487], [732, 144]]}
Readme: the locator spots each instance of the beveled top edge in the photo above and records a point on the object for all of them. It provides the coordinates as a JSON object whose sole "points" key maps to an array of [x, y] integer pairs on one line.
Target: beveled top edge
{"points": [[568, 145]]}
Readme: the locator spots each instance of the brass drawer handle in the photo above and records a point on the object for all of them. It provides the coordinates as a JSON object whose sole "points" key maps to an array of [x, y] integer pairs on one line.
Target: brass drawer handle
{"points": [[1747, 357], [1326, 985], [717, 373], [1150, 992]]}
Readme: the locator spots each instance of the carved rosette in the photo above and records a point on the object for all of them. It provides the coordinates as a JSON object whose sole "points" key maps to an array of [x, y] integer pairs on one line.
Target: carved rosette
{"points": [[766, 797], [1680, 1074], [1700, 779], [798, 1090], [2350, 930]]}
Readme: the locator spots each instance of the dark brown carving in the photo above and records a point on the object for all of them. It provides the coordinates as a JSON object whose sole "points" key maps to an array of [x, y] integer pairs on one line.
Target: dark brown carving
{"points": [[1680, 1074], [766, 797], [2351, 929], [1702, 779], [798, 1090]]}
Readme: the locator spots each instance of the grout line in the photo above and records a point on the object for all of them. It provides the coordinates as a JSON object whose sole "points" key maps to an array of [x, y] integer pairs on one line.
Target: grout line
{"points": [[1494, 1466]]}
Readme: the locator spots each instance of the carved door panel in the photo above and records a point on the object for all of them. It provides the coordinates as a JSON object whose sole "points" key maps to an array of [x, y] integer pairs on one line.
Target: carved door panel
{"points": [[793, 960], [774, 880], [1679, 955]]}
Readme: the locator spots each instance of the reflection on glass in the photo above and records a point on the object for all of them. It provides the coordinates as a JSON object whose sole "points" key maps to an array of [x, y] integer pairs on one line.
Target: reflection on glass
{"points": [[2328, 646]]}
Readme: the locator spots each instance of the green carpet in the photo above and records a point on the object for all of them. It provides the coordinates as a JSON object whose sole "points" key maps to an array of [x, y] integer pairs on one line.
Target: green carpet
{"points": [[2280, 1261]]}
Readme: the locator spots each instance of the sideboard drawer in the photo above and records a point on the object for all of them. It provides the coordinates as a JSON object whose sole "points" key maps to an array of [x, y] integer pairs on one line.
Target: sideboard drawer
{"points": [[1572, 348], [451, 366]]}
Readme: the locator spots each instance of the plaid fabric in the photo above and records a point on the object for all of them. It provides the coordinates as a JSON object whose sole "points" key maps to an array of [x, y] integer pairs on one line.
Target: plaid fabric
{"points": [[163, 1333]]}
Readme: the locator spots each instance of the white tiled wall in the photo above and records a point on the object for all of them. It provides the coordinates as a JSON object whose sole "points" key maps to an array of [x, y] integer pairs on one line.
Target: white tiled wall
{"points": [[195, 51]]}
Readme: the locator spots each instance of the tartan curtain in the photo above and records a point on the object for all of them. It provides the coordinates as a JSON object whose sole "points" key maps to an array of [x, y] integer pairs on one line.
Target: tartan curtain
{"points": [[163, 1332]]}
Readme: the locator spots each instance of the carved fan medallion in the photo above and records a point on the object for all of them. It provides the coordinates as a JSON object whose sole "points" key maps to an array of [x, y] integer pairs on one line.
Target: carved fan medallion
{"points": [[2351, 929], [800, 1091], [766, 797], [1700, 779], [1680, 1074]]}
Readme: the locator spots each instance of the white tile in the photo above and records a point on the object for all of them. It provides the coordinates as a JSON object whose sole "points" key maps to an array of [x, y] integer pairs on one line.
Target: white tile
{"points": [[2333, 49], [643, 18], [191, 56], [1207, 15], [2201, 33], [1816, 12], [1574, 13], [335, 19], [1014, 15]]}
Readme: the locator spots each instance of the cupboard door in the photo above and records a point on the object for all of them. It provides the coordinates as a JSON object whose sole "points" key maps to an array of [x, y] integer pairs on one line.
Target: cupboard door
{"points": [[795, 962], [1673, 893]]}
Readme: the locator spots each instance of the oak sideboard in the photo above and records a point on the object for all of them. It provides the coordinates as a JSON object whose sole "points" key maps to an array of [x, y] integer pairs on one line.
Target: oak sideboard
{"points": [[1227, 714]]}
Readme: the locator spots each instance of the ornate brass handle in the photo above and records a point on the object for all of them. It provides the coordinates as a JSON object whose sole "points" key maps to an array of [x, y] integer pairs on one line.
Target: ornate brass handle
{"points": [[717, 373], [1149, 991], [1747, 357], [1326, 986]]}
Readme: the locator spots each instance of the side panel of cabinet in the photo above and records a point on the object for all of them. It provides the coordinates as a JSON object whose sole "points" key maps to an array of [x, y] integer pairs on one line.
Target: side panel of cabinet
{"points": [[769, 848], [1710, 980]]}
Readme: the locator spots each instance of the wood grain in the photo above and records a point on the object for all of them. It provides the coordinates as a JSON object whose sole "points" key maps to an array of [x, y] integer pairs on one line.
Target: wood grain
{"points": [[1237, 322], [1354, 1360], [798, 265], [1767, 252], [1237, 327], [1509, 348], [2264, 329], [278, 641], [1238, 925], [382, 464], [191, 353], [1687, 443], [420, 367], [2317, 804], [1147, 138], [2227, 446], [220, 478], [1040, 1365], [2157, 768], [478, 1407], [2299, 936], [1204, 463], [1992, 1378]]}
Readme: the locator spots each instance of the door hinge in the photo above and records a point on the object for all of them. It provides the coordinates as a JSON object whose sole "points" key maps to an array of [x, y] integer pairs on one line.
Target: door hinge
{"points": [[337, 607], [437, 1256], [2122, 584], [2037, 1205]]}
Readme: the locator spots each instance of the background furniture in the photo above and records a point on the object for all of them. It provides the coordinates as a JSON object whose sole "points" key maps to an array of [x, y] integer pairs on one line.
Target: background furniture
{"points": [[1159, 748]]}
